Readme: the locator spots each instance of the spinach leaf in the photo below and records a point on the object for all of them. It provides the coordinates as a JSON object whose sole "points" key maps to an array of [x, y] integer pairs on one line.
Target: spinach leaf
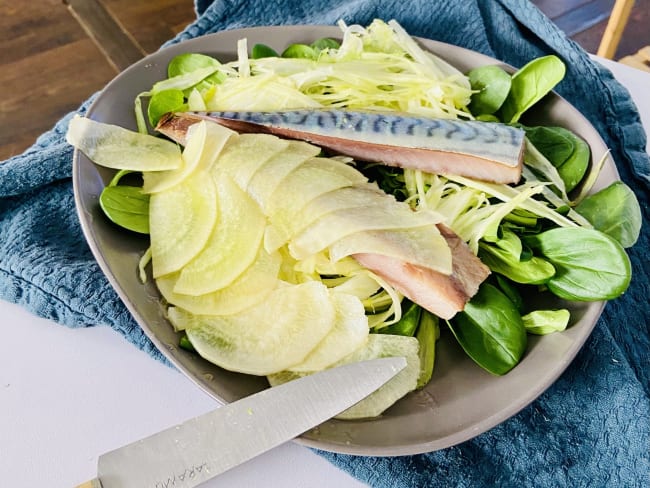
{"points": [[542, 322], [490, 330], [325, 43], [427, 335], [163, 102], [530, 84], [125, 205], [615, 211], [310, 51], [263, 51], [555, 145], [511, 291], [566, 151], [188, 62], [507, 257], [390, 179], [492, 84], [407, 325], [300, 51], [589, 264], [184, 343]]}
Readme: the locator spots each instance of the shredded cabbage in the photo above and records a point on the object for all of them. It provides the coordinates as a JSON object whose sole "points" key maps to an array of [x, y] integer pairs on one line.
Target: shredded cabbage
{"points": [[378, 67]]}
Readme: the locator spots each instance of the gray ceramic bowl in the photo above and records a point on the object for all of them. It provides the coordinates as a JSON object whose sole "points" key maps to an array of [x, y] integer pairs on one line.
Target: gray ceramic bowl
{"points": [[460, 402]]}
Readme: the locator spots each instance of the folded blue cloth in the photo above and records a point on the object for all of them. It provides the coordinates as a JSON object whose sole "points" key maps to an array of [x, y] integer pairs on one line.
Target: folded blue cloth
{"points": [[592, 427]]}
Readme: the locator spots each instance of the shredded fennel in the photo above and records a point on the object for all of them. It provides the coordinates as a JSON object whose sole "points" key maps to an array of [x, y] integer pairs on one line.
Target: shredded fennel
{"points": [[378, 67]]}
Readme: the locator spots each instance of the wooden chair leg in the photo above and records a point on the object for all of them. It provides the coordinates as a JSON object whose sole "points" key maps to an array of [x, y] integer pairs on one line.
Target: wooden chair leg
{"points": [[615, 27]]}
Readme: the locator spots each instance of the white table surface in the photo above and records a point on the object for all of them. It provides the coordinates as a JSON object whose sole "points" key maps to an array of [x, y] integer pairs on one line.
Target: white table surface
{"points": [[69, 395]]}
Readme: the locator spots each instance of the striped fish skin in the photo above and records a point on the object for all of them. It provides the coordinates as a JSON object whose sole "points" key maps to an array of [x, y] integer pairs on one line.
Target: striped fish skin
{"points": [[482, 150], [487, 140]]}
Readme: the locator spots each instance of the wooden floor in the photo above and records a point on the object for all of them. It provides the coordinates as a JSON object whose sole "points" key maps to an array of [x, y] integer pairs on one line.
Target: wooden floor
{"points": [[56, 53], [49, 63]]}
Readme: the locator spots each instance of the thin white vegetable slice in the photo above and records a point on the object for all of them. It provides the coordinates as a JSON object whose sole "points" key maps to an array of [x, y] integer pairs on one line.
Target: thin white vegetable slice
{"points": [[205, 140], [335, 225], [181, 220], [287, 226], [421, 246], [245, 154], [266, 338], [377, 346], [361, 284], [350, 332], [250, 288], [232, 246], [112, 146], [312, 179], [266, 180]]}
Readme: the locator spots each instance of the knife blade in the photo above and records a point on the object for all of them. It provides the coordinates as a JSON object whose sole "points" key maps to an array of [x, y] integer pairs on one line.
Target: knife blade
{"points": [[195, 451]]}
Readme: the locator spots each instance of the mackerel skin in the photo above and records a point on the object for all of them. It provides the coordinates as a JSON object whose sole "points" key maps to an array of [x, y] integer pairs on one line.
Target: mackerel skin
{"points": [[481, 150]]}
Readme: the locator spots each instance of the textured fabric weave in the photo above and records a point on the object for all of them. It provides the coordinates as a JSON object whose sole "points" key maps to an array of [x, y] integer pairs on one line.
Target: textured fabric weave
{"points": [[592, 427]]}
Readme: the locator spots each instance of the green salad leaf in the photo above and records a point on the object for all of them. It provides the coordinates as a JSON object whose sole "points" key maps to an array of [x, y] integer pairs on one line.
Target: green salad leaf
{"points": [[492, 85], [589, 264], [530, 84], [125, 205], [615, 211], [491, 331]]}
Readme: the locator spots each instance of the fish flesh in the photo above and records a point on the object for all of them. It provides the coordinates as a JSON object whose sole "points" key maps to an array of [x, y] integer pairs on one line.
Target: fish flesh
{"points": [[441, 294], [482, 150]]}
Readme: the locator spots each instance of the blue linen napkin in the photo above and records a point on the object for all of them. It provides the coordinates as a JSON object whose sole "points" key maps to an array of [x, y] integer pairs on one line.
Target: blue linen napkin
{"points": [[592, 427]]}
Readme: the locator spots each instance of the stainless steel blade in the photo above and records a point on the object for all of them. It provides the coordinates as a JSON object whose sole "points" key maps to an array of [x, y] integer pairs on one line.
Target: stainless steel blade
{"points": [[205, 446]]}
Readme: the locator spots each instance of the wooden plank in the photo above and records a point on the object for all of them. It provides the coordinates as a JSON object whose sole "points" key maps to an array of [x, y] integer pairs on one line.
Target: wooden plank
{"points": [[615, 27], [33, 102], [152, 23], [28, 28], [119, 47]]}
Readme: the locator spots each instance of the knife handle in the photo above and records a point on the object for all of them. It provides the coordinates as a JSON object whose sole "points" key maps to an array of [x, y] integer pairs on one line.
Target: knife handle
{"points": [[94, 483]]}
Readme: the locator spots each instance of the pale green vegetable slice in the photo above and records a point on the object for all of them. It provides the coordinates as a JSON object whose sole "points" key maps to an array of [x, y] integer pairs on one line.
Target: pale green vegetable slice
{"points": [[335, 225], [266, 338], [181, 220], [350, 332], [232, 245], [250, 288], [541, 322], [195, 101], [377, 346], [245, 154], [420, 246], [266, 180], [338, 199], [314, 178], [360, 284], [115, 147], [205, 140]]}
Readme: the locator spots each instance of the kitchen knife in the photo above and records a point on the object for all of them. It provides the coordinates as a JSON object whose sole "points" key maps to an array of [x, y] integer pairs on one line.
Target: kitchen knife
{"points": [[203, 447]]}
